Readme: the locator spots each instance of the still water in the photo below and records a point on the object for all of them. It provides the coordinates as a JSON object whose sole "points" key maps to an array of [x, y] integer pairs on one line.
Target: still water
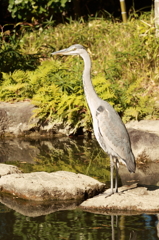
{"points": [[77, 225], [26, 220]]}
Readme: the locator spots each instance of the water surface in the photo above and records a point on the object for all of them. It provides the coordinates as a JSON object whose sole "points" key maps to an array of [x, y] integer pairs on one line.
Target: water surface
{"points": [[26, 220], [77, 225]]}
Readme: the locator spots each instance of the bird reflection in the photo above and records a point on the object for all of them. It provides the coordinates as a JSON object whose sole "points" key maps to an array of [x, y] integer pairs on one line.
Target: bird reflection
{"points": [[133, 236], [114, 218]]}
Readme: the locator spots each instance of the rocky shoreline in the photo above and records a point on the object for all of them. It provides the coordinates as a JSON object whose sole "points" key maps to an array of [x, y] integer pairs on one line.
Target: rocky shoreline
{"points": [[17, 120], [40, 193], [67, 190]]}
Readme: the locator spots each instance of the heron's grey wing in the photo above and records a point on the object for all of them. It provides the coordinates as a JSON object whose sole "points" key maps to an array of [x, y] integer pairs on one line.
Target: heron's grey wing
{"points": [[112, 131]]}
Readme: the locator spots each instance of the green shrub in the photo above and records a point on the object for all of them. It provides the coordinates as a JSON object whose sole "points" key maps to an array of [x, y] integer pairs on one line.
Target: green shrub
{"points": [[12, 55], [28, 9], [125, 71]]}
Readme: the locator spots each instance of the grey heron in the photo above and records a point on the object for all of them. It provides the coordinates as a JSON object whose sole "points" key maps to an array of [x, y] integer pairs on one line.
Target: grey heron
{"points": [[109, 129]]}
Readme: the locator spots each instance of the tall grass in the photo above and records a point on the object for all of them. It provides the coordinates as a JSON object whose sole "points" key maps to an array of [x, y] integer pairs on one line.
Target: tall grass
{"points": [[125, 69]]}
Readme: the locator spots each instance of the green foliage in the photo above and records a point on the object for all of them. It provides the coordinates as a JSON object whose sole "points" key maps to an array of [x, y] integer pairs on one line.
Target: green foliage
{"points": [[34, 9], [124, 70], [58, 95], [11, 54]]}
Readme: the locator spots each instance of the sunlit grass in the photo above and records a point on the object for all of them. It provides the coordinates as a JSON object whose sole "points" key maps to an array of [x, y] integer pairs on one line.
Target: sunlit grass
{"points": [[125, 69]]}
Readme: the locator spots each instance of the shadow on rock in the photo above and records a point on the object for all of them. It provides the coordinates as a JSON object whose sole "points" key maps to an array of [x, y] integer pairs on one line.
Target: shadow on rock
{"points": [[144, 145], [145, 174]]}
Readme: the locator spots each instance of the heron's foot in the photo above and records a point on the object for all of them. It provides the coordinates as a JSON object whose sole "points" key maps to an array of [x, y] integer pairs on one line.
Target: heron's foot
{"points": [[109, 194], [113, 192]]}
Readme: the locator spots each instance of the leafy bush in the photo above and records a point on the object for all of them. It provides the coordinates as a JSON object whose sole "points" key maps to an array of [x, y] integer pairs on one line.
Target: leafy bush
{"points": [[11, 54], [11, 58], [28, 9], [58, 95], [124, 71]]}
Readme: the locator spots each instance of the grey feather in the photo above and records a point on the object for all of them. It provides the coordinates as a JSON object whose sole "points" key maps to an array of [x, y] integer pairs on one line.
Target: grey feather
{"points": [[113, 136]]}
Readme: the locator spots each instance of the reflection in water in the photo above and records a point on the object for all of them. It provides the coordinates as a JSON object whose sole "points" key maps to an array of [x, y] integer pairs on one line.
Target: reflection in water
{"points": [[75, 155], [120, 233], [21, 219], [34, 208], [81, 156], [77, 224], [112, 225]]}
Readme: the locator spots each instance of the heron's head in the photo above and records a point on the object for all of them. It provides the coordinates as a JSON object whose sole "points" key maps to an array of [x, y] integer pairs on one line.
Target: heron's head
{"points": [[76, 49]]}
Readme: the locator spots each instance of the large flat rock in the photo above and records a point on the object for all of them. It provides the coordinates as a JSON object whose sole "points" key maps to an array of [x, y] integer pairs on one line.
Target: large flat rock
{"points": [[130, 199], [42, 186]]}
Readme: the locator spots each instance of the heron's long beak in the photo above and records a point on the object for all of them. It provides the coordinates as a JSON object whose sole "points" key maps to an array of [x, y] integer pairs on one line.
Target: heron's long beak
{"points": [[61, 52]]}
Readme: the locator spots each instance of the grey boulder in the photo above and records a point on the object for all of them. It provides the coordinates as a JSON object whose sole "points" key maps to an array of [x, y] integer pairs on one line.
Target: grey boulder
{"points": [[42, 186]]}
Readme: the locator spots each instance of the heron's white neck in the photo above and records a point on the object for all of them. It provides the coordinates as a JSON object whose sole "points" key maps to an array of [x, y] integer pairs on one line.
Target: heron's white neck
{"points": [[90, 93]]}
